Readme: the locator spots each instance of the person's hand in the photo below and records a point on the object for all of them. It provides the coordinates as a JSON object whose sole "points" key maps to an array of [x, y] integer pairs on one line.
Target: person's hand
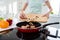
{"points": [[22, 15], [47, 14]]}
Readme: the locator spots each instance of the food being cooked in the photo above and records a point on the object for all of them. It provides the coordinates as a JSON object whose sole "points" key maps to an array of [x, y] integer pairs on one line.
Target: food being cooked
{"points": [[33, 27], [28, 26], [23, 27]]}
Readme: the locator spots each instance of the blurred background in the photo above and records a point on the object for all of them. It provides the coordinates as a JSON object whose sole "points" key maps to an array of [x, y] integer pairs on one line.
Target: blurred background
{"points": [[11, 9]]}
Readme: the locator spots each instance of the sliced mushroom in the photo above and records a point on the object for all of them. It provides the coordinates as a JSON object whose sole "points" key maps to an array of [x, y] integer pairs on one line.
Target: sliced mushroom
{"points": [[33, 27], [23, 27]]}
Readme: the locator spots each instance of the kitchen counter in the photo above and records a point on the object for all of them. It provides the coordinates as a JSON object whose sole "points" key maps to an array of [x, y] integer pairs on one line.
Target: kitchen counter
{"points": [[12, 35]]}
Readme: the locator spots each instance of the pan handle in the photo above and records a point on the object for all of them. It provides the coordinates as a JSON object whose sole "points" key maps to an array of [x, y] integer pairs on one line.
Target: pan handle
{"points": [[50, 24]]}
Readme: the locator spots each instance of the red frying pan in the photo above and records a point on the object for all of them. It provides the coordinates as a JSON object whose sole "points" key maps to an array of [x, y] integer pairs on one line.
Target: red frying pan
{"points": [[38, 26]]}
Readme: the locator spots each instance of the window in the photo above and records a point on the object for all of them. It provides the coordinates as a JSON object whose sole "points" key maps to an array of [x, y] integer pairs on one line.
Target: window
{"points": [[2, 11], [13, 9], [10, 8]]}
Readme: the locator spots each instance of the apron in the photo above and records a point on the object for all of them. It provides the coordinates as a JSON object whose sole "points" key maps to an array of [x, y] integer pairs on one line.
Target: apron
{"points": [[34, 6]]}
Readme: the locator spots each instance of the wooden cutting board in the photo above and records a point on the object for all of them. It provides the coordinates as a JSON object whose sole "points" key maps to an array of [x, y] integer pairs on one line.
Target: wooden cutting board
{"points": [[35, 17]]}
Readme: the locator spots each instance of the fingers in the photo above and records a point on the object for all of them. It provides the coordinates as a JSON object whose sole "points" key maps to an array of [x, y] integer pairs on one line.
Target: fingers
{"points": [[46, 15], [23, 16]]}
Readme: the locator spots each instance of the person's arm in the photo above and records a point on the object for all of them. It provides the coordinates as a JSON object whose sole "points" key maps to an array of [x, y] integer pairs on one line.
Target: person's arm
{"points": [[49, 6], [24, 7], [22, 14]]}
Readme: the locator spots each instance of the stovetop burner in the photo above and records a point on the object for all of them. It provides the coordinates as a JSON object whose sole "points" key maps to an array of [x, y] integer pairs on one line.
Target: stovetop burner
{"points": [[28, 36], [31, 36]]}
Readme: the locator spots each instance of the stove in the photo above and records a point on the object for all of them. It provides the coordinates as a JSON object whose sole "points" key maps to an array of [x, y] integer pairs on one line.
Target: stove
{"points": [[42, 33], [28, 36], [32, 36]]}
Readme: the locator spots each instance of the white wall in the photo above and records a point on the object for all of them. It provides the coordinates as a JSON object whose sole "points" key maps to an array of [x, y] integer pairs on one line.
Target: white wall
{"points": [[55, 6]]}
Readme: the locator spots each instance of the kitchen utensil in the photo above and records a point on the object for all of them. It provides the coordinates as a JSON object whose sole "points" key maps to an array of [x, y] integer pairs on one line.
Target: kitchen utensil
{"points": [[38, 26]]}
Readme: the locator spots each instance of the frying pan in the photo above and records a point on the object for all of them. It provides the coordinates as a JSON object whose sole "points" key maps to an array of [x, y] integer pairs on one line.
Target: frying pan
{"points": [[38, 26]]}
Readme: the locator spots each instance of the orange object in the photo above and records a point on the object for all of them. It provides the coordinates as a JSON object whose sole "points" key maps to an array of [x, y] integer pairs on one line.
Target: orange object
{"points": [[4, 24]]}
